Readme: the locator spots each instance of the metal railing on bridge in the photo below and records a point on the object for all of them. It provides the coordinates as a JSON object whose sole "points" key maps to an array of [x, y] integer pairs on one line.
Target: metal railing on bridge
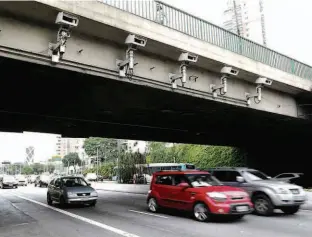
{"points": [[184, 22]]}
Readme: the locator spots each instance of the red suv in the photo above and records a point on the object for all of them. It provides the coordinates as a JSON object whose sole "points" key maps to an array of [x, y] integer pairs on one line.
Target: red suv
{"points": [[199, 192]]}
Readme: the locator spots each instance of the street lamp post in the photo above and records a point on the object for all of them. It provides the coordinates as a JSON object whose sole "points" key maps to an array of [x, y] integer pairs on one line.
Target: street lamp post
{"points": [[97, 161]]}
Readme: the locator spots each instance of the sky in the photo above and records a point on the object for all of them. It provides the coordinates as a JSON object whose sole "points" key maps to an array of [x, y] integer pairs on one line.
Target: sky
{"points": [[13, 146], [287, 23], [288, 31]]}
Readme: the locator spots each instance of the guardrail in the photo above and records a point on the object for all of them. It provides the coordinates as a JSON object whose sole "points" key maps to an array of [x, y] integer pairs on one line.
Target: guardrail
{"points": [[179, 20]]}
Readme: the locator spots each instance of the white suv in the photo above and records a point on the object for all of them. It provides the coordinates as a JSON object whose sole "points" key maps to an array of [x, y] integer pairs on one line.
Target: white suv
{"points": [[266, 193]]}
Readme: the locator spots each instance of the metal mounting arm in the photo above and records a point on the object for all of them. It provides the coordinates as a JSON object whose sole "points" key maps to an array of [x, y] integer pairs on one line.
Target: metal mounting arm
{"points": [[126, 66], [57, 50], [257, 97], [222, 88], [182, 76]]}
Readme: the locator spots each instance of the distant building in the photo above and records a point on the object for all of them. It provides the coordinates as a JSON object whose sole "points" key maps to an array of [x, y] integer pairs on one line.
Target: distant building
{"points": [[246, 18], [30, 155], [58, 146], [72, 145]]}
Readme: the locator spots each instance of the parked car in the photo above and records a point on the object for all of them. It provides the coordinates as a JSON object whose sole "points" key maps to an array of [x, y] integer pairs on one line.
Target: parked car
{"points": [[71, 190], [91, 177], [199, 192], [21, 180], [42, 181], [32, 179], [100, 178], [7, 181], [266, 193]]}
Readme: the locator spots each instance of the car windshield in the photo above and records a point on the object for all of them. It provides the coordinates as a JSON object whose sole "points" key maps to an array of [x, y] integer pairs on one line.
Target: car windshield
{"points": [[203, 180], [8, 179], [255, 175], [74, 182]]}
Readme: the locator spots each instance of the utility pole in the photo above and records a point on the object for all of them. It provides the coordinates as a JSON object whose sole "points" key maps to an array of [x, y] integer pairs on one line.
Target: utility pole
{"points": [[97, 161]]}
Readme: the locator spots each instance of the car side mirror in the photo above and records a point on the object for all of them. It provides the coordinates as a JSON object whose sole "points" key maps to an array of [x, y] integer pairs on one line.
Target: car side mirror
{"points": [[89, 184], [240, 179]]}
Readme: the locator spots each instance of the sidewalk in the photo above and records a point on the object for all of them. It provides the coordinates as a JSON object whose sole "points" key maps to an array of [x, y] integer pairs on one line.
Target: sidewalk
{"points": [[125, 188]]}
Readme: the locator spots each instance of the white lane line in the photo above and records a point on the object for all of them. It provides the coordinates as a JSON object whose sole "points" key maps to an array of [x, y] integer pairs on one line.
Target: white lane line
{"points": [[89, 221], [149, 214], [305, 210]]}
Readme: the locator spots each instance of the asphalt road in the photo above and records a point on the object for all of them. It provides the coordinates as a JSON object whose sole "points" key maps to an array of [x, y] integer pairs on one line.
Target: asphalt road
{"points": [[23, 212]]}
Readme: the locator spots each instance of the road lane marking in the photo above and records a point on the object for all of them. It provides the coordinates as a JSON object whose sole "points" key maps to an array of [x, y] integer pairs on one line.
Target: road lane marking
{"points": [[149, 214], [89, 221], [305, 210]]}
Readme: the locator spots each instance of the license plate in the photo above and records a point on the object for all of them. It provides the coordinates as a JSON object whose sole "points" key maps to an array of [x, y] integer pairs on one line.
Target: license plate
{"points": [[10, 185], [242, 208], [298, 198]]}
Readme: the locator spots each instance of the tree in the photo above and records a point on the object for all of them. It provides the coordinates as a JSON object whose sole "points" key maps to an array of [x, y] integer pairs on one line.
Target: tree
{"points": [[27, 170], [128, 165], [50, 168], [201, 156], [105, 148], [37, 168], [71, 159]]}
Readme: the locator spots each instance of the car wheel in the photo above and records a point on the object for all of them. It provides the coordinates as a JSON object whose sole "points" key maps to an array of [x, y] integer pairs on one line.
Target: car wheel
{"points": [[92, 204], [290, 210], [62, 202], [201, 212], [49, 200], [40, 185], [263, 205], [35, 185], [152, 205]]}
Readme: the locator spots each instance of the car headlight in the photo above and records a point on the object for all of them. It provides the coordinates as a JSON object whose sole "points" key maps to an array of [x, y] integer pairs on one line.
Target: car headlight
{"points": [[94, 194], [220, 197], [282, 191], [70, 194]]}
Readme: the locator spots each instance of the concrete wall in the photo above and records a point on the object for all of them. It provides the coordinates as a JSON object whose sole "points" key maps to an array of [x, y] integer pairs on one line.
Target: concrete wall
{"points": [[34, 37], [111, 16]]}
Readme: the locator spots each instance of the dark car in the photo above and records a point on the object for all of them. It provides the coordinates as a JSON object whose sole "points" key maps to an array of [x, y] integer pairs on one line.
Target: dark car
{"points": [[71, 190], [8, 181], [42, 181]]}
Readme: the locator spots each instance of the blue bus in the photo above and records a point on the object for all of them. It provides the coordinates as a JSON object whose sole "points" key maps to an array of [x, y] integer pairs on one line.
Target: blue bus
{"points": [[154, 167]]}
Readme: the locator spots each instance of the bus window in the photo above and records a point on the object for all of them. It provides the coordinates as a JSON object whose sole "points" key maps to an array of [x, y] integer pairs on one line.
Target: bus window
{"points": [[190, 167]]}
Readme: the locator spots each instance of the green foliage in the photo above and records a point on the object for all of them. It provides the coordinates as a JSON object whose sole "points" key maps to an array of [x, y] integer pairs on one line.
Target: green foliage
{"points": [[201, 156], [106, 170], [37, 168], [127, 165], [27, 170], [105, 148], [50, 168], [71, 159]]}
